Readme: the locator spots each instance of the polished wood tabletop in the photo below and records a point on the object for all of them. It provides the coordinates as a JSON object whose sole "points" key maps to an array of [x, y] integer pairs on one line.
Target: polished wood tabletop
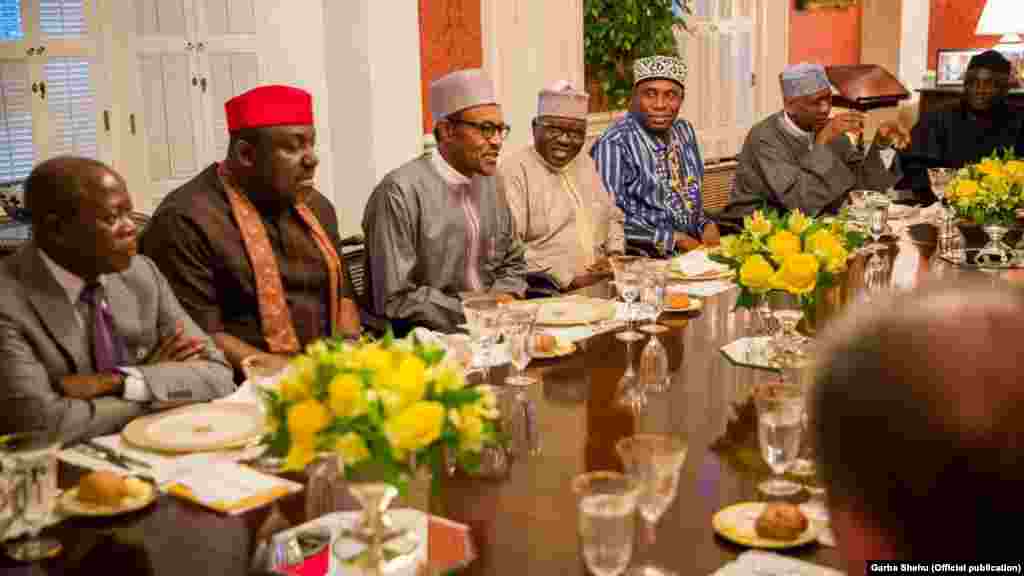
{"points": [[525, 523]]}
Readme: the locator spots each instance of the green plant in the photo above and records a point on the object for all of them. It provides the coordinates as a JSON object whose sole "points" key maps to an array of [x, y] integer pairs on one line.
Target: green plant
{"points": [[617, 32]]}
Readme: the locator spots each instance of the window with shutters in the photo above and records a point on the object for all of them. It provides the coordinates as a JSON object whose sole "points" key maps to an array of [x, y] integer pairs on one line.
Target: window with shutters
{"points": [[733, 60], [48, 101]]}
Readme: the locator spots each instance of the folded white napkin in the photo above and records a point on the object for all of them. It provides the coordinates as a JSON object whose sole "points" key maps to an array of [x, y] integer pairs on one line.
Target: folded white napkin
{"points": [[772, 564], [696, 263]]}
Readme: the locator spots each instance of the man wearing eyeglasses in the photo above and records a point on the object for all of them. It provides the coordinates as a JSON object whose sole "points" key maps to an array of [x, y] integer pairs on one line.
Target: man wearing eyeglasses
{"points": [[440, 226], [651, 161], [562, 210]]}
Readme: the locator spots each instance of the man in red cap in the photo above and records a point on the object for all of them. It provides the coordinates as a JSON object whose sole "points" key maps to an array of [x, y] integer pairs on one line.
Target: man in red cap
{"points": [[249, 245]]}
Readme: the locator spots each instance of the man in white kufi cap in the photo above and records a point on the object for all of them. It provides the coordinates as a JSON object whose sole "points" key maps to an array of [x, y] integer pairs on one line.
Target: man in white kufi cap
{"points": [[803, 158], [440, 225], [563, 212], [650, 160]]}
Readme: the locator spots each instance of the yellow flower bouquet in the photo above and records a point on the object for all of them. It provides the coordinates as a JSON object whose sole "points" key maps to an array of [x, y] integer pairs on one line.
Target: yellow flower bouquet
{"points": [[989, 192], [378, 405], [787, 253]]}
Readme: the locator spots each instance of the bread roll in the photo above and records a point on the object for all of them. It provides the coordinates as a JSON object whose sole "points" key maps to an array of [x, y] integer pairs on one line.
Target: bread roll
{"points": [[134, 488], [781, 521], [102, 488]]}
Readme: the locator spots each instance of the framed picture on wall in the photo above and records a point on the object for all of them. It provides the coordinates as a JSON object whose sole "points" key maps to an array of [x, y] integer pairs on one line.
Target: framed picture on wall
{"points": [[951, 66], [1015, 54]]}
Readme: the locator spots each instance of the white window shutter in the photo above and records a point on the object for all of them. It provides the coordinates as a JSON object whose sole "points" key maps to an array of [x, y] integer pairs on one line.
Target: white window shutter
{"points": [[62, 18], [70, 101], [11, 26], [17, 151]]}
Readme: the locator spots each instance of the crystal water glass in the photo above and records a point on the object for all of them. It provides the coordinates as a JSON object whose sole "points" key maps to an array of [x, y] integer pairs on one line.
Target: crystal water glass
{"points": [[606, 515], [655, 461], [949, 237], [29, 462], [780, 408]]}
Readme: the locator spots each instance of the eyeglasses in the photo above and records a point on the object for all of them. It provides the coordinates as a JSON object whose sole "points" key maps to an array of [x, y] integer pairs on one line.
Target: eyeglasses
{"points": [[556, 132], [486, 129]]}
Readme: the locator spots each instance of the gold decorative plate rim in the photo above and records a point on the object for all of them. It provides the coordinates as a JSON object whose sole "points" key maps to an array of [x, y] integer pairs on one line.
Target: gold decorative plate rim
{"points": [[731, 533], [136, 432], [70, 504]]}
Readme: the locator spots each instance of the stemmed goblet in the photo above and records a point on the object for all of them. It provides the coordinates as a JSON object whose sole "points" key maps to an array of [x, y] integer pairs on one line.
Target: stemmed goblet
{"points": [[655, 462]]}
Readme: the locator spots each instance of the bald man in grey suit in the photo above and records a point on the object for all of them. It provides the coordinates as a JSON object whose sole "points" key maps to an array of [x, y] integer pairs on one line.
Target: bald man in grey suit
{"points": [[58, 369]]}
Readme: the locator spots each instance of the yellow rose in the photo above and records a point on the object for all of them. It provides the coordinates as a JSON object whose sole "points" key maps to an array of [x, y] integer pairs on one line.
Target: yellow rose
{"points": [[374, 357], [756, 274], [470, 425], [297, 383], [300, 453], [991, 167], [352, 449], [408, 384], [827, 247], [414, 428], [1015, 170], [446, 378], [758, 224], [345, 396], [307, 418], [782, 244], [797, 222], [966, 189], [798, 274]]}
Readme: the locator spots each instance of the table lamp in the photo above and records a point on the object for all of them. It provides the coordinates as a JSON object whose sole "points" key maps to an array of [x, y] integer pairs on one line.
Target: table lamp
{"points": [[1003, 18]]}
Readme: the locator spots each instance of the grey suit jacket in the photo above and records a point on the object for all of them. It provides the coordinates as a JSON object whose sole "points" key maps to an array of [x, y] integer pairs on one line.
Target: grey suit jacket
{"points": [[40, 342]]}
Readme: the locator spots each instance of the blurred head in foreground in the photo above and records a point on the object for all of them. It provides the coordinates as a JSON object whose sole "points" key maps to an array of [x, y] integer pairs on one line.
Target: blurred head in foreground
{"points": [[927, 388]]}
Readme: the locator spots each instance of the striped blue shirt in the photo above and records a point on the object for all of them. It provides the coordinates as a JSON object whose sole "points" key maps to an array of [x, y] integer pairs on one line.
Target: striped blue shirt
{"points": [[637, 167]]}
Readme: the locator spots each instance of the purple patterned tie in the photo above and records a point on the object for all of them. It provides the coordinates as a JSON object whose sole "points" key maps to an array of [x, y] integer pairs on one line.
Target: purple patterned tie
{"points": [[105, 350]]}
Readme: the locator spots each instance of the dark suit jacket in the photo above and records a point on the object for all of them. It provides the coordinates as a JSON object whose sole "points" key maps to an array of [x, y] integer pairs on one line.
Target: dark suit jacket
{"points": [[40, 342]]}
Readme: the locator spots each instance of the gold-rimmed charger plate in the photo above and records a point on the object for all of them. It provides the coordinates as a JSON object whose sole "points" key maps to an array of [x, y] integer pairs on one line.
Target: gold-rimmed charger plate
{"points": [[70, 504], [197, 428], [736, 524]]}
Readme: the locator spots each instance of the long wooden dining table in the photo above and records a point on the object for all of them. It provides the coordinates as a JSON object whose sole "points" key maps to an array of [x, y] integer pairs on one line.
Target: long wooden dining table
{"points": [[525, 523]]}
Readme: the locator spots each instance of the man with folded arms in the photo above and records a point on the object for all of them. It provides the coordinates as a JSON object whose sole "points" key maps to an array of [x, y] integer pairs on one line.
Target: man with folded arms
{"points": [[91, 335], [919, 425], [562, 210], [799, 158], [440, 225], [249, 245], [650, 160]]}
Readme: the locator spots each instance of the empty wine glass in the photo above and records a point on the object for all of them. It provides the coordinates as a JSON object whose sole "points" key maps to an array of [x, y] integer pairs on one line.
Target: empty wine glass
{"points": [[517, 327], [654, 374], [606, 507], [652, 298], [628, 282], [780, 407], [654, 461], [878, 220], [30, 459], [786, 346], [482, 314], [630, 394]]}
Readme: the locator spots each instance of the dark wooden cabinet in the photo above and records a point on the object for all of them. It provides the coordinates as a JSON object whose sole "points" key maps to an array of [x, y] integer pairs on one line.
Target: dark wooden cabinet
{"points": [[936, 98]]}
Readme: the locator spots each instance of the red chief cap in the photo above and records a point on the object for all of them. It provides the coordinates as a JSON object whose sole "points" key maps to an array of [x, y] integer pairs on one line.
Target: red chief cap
{"points": [[269, 106]]}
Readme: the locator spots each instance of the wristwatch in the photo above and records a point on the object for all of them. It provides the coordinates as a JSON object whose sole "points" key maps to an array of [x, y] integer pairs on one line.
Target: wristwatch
{"points": [[127, 378]]}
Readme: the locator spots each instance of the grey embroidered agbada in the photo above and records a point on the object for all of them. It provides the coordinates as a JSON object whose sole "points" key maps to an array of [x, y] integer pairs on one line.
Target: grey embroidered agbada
{"points": [[417, 228], [788, 171]]}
